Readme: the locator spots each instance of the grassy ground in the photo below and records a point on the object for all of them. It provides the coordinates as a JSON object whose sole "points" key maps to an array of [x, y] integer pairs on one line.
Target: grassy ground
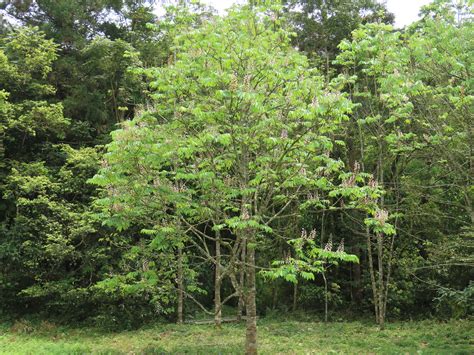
{"points": [[275, 337]]}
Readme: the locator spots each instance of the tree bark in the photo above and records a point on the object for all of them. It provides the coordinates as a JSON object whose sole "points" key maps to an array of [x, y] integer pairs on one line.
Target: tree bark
{"points": [[380, 241], [325, 297], [241, 304], [372, 277], [217, 284], [387, 278], [380, 279], [251, 307], [180, 282], [274, 297], [356, 274], [295, 295]]}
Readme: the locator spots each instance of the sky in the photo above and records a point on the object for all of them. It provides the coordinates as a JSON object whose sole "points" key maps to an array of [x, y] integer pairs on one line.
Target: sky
{"points": [[406, 11]]}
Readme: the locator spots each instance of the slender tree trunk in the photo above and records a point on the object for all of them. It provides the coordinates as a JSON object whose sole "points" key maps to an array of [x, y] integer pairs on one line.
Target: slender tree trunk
{"points": [[217, 284], [380, 243], [356, 274], [275, 297], [295, 296], [380, 280], [372, 277], [180, 282], [387, 279], [356, 285], [390, 253], [250, 303], [241, 304], [325, 297]]}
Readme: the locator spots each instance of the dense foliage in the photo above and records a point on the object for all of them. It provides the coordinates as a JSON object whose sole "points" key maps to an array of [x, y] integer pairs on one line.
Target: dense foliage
{"points": [[240, 170]]}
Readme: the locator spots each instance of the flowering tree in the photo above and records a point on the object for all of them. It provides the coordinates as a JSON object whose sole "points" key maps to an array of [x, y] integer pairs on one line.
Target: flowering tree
{"points": [[240, 136], [413, 129]]}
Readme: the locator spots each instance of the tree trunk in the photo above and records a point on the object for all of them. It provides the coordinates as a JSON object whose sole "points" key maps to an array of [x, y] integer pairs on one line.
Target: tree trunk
{"points": [[217, 285], [372, 277], [274, 297], [241, 304], [180, 282], [381, 282], [356, 274], [387, 278], [325, 298], [250, 303], [379, 236], [295, 295]]}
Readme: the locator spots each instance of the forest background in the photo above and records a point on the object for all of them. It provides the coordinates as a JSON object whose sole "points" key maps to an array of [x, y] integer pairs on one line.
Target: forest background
{"points": [[325, 167]]}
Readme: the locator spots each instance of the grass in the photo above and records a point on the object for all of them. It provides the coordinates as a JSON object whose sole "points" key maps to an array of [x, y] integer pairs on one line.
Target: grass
{"points": [[276, 336]]}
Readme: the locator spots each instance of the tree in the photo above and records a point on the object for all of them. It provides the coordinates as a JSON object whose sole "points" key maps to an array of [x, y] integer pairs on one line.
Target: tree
{"points": [[403, 132], [372, 62], [240, 133], [442, 51], [322, 24]]}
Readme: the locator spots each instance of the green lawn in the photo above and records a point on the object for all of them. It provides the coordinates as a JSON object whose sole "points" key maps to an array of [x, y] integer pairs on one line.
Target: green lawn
{"points": [[275, 336]]}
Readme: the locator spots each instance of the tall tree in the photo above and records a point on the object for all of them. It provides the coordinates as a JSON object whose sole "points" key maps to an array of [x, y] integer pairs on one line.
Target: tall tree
{"points": [[241, 116], [403, 132]]}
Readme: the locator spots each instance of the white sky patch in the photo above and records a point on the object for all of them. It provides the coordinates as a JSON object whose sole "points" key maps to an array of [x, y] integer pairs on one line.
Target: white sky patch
{"points": [[406, 11]]}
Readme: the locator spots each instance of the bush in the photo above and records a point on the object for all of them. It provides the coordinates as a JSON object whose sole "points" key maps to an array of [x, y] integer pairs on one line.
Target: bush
{"points": [[455, 303]]}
